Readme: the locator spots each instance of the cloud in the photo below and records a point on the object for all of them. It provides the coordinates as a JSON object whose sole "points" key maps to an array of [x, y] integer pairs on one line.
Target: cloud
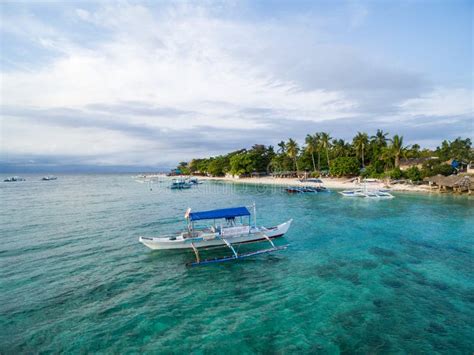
{"points": [[156, 84], [440, 102]]}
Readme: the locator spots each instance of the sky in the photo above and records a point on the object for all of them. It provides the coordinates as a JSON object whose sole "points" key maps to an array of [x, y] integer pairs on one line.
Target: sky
{"points": [[149, 84]]}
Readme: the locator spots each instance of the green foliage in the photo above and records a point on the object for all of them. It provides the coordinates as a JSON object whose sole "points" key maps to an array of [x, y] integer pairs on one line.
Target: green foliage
{"points": [[292, 150], [218, 166], [241, 164], [395, 173], [360, 144], [372, 171], [434, 167], [459, 149], [397, 149], [258, 159], [413, 174], [344, 166], [443, 169], [184, 168], [381, 155]]}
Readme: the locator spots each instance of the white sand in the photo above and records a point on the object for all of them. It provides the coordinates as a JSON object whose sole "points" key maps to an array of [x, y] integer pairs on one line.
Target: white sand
{"points": [[331, 183]]}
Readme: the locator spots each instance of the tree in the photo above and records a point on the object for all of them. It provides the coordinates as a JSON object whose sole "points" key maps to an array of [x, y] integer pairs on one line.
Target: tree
{"points": [[292, 150], [241, 164], [459, 149], [414, 151], [317, 138], [397, 149], [325, 143], [281, 147], [344, 166], [340, 148], [380, 138], [184, 168], [311, 147], [218, 166], [413, 173], [360, 142]]}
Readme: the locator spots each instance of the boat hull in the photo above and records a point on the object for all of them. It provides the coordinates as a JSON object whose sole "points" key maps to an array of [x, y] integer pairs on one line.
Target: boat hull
{"points": [[256, 235]]}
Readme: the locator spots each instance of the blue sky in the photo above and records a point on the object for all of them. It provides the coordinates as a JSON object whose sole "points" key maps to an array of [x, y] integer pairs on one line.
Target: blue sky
{"points": [[150, 83]]}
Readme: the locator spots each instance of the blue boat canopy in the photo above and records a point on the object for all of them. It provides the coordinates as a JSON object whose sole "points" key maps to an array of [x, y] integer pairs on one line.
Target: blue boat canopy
{"points": [[223, 213]]}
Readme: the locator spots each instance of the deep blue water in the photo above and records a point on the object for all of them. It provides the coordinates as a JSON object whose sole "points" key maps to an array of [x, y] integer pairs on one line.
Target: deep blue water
{"points": [[359, 276]]}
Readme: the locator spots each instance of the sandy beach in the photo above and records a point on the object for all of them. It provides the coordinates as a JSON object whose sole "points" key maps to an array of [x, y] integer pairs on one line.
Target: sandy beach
{"points": [[331, 183]]}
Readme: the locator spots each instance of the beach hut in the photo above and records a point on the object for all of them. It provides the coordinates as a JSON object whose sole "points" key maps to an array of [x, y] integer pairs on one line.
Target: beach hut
{"points": [[455, 183]]}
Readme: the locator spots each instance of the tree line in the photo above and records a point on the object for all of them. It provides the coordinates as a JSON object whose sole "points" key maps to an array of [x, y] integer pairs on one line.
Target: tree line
{"points": [[375, 156]]}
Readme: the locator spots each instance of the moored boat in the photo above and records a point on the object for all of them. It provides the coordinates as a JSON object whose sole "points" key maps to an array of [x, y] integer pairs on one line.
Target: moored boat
{"points": [[49, 178], [179, 184], [364, 193], [226, 230], [14, 179]]}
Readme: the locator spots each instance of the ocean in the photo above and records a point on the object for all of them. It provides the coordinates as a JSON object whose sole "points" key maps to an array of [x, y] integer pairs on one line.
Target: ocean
{"points": [[389, 276]]}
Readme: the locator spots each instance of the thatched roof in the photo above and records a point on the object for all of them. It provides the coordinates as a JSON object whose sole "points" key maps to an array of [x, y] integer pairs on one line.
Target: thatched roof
{"points": [[415, 161], [449, 181]]}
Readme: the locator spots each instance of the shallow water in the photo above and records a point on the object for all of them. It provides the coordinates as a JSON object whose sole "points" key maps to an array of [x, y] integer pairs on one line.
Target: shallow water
{"points": [[359, 276]]}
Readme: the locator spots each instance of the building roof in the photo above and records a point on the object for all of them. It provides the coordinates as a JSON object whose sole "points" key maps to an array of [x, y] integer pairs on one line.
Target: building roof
{"points": [[415, 161], [449, 181]]}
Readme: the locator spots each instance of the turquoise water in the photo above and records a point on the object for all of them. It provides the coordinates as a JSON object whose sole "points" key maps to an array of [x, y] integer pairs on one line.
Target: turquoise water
{"points": [[359, 276]]}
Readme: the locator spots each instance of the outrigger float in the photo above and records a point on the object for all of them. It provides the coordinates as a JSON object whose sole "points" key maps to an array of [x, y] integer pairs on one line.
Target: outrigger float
{"points": [[227, 232]]}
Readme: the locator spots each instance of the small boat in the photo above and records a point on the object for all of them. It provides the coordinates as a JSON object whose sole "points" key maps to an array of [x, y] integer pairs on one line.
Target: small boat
{"points": [[364, 193], [179, 184], [352, 193], [384, 194], [194, 180], [49, 178], [227, 232], [303, 189], [14, 179], [318, 188], [293, 190]]}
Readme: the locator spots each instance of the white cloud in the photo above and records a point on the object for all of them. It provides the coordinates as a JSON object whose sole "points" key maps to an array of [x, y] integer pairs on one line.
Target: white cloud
{"points": [[26, 137], [440, 102], [222, 72]]}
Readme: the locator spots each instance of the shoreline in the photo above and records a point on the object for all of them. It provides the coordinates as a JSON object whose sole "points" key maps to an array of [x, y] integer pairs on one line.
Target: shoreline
{"points": [[331, 183]]}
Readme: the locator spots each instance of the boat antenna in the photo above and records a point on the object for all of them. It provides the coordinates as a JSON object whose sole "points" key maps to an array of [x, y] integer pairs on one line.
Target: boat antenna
{"points": [[254, 215], [186, 216]]}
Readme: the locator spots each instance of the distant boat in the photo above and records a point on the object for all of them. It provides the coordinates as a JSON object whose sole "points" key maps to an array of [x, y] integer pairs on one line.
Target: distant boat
{"points": [[179, 184], [49, 178], [364, 193], [307, 188], [194, 180], [303, 189], [14, 179], [227, 232]]}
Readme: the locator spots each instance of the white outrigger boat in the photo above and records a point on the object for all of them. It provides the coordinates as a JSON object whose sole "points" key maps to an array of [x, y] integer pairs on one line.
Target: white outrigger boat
{"points": [[364, 193], [226, 233]]}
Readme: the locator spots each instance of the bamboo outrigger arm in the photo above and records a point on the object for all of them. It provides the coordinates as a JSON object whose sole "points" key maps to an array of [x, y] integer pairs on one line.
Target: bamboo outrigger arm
{"points": [[196, 252], [269, 240], [231, 247]]}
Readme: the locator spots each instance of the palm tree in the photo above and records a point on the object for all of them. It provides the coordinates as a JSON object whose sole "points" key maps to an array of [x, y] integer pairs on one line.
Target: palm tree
{"points": [[360, 142], [292, 151], [397, 149], [326, 143], [311, 147], [281, 147], [380, 138], [339, 148], [317, 138]]}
